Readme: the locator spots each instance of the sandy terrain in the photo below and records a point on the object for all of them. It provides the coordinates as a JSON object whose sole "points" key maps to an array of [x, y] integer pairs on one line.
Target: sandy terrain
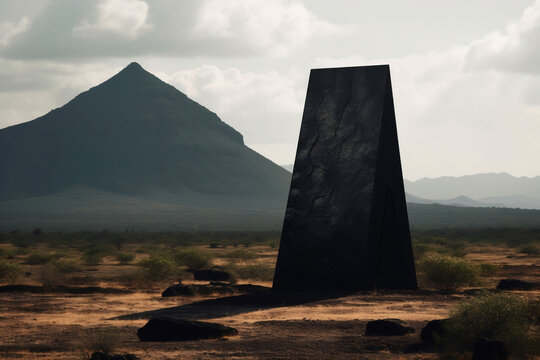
{"points": [[60, 326]]}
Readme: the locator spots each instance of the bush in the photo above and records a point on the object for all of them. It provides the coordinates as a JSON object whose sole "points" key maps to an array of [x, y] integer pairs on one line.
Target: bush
{"points": [[66, 266], [9, 272], [157, 268], [530, 249], [259, 272], [92, 257], [439, 246], [101, 340], [504, 317], [40, 259], [447, 273], [192, 258], [50, 276], [125, 258], [240, 254], [487, 269]]}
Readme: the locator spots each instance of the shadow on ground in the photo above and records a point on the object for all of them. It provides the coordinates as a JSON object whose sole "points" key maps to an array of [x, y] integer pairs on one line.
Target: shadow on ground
{"points": [[232, 305]]}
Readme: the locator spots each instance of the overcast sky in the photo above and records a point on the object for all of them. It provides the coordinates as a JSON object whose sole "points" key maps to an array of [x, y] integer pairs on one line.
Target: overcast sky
{"points": [[465, 73]]}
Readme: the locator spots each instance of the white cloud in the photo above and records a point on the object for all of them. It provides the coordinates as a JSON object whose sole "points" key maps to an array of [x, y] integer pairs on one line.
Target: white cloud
{"points": [[264, 107], [31, 89], [515, 49], [277, 26], [9, 30], [122, 17], [454, 119]]}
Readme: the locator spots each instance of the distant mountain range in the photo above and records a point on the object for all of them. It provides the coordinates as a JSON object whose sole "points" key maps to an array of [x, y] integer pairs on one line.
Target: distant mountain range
{"points": [[480, 190], [134, 145]]}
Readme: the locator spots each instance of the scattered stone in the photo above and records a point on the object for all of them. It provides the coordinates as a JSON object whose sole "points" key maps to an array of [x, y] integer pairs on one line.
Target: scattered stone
{"points": [[104, 356], [387, 328], [167, 329], [489, 350], [211, 275], [515, 284], [433, 330]]}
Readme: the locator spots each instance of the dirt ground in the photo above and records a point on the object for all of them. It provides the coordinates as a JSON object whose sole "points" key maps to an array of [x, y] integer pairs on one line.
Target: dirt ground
{"points": [[63, 326]]}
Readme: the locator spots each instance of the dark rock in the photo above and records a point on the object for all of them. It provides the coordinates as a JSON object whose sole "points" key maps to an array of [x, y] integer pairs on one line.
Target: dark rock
{"points": [[211, 275], [346, 199], [104, 356], [166, 329], [99, 356], [514, 284], [489, 350], [387, 328], [178, 290], [433, 330]]}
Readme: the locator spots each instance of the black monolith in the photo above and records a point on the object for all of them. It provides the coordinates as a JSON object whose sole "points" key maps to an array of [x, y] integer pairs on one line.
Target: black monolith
{"points": [[346, 225]]}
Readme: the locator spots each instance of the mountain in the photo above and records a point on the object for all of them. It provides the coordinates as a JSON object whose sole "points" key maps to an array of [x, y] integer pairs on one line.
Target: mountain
{"points": [[136, 137], [493, 189], [457, 201]]}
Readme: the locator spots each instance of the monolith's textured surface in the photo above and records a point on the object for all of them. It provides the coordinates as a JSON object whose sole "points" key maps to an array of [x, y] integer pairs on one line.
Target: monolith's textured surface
{"points": [[346, 225]]}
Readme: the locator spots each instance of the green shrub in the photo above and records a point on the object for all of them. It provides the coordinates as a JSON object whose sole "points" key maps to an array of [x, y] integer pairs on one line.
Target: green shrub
{"points": [[99, 340], [125, 258], [439, 246], [421, 249], [157, 268], [39, 258], [241, 254], [487, 269], [447, 273], [92, 257], [259, 272], [530, 249], [501, 316], [192, 258], [66, 266], [50, 276], [9, 272]]}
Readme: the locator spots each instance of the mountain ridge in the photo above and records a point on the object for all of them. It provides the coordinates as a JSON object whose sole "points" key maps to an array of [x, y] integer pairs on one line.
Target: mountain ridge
{"points": [[488, 189], [134, 135]]}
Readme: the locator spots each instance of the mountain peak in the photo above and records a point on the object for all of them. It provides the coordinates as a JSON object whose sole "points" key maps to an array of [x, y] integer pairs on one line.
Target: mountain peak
{"points": [[132, 72], [134, 66]]}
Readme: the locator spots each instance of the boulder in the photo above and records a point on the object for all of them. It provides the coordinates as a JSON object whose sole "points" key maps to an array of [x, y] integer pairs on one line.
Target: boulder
{"points": [[514, 284], [98, 355], [387, 328], [433, 330], [167, 329], [489, 350], [211, 275]]}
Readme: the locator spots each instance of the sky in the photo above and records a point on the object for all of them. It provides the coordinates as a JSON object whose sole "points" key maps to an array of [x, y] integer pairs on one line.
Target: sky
{"points": [[465, 73]]}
